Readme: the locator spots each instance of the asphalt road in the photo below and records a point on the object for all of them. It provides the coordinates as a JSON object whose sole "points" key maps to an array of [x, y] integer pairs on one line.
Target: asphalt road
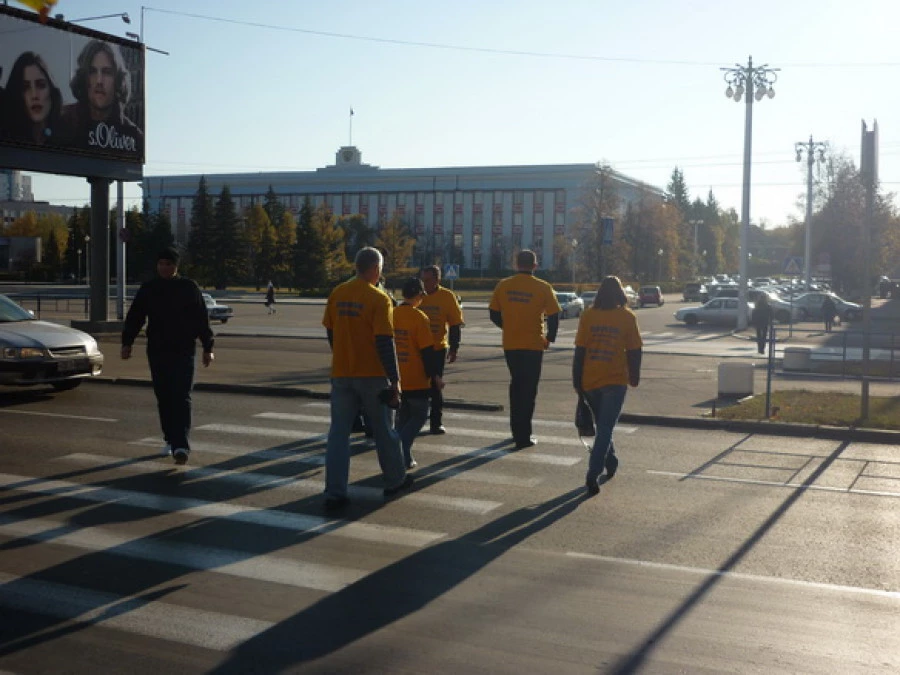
{"points": [[708, 552]]}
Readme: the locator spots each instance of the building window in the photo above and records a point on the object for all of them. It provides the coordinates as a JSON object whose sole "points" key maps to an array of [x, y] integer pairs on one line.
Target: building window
{"points": [[458, 241], [538, 197], [517, 220], [382, 199], [457, 223], [477, 222], [476, 244], [457, 197], [538, 220], [518, 197], [420, 198], [559, 219], [478, 197], [420, 223]]}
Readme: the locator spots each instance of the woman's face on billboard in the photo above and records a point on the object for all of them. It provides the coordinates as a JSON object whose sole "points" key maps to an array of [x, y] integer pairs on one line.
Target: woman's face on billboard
{"points": [[36, 90]]}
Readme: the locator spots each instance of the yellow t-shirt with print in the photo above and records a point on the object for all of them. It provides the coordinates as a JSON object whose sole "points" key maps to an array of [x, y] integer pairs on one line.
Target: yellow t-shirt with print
{"points": [[443, 310], [356, 312], [411, 335], [606, 334], [524, 301]]}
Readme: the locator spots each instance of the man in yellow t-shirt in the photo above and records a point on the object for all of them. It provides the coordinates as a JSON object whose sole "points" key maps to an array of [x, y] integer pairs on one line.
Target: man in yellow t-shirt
{"points": [[519, 306], [358, 320], [415, 353], [445, 316]]}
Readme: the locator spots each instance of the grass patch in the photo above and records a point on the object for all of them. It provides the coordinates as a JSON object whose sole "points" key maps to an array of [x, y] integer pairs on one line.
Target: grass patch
{"points": [[800, 406]]}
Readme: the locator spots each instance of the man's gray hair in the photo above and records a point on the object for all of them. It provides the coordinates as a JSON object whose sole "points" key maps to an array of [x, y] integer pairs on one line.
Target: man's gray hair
{"points": [[368, 258]]}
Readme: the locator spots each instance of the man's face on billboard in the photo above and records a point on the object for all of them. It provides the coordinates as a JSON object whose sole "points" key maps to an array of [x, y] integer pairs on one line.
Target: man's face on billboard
{"points": [[37, 94], [101, 84]]}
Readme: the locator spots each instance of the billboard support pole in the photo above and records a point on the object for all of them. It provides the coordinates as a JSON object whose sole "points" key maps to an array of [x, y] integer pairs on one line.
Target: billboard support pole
{"points": [[99, 291], [120, 251]]}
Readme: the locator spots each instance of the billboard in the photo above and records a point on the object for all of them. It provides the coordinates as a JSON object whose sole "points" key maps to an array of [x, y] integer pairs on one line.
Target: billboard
{"points": [[71, 99]]}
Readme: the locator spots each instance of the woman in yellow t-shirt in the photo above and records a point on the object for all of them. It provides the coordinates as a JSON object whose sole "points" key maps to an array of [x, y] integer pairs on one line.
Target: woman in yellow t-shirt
{"points": [[607, 359]]}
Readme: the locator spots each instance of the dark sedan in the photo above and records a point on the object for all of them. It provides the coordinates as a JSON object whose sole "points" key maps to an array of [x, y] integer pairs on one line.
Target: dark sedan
{"points": [[39, 352]]}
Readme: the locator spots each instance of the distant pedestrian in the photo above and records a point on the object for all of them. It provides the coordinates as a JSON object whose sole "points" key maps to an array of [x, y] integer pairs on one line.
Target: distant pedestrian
{"points": [[829, 309], [761, 318], [270, 298], [418, 365], [607, 359], [519, 306], [446, 319], [176, 318], [364, 374]]}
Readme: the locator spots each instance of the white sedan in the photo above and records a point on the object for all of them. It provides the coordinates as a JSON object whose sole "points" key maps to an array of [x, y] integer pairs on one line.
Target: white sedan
{"points": [[718, 310]]}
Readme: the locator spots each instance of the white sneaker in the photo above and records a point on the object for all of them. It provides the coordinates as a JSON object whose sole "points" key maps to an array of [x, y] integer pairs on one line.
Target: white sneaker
{"points": [[166, 451]]}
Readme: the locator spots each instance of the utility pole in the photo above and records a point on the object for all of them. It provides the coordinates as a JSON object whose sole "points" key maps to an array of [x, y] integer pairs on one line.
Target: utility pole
{"points": [[868, 169], [815, 152]]}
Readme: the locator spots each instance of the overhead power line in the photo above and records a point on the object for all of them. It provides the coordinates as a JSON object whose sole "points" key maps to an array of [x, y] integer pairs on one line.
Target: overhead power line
{"points": [[492, 50]]}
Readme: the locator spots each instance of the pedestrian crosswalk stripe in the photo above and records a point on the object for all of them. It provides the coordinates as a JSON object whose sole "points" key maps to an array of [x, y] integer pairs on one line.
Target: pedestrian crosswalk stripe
{"points": [[528, 457], [203, 448], [494, 419], [458, 431], [273, 481], [267, 517], [132, 614], [711, 336], [244, 564]]}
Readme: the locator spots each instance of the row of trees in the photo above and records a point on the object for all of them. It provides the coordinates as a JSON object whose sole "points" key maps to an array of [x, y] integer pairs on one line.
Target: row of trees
{"points": [[654, 239]]}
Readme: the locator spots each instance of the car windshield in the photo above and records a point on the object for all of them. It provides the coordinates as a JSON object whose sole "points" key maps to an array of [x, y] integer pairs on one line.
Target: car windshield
{"points": [[10, 311]]}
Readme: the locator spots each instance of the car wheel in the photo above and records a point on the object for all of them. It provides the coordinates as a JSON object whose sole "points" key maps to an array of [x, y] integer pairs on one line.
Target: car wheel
{"points": [[564, 314], [67, 385], [691, 319], [851, 316]]}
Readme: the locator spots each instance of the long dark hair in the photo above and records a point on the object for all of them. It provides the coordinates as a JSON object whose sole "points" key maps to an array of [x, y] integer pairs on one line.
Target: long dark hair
{"points": [[610, 295], [19, 122]]}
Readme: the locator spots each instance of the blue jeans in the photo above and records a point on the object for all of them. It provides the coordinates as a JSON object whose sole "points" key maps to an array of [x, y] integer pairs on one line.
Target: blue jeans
{"points": [[173, 379], [348, 395], [606, 405], [410, 420]]}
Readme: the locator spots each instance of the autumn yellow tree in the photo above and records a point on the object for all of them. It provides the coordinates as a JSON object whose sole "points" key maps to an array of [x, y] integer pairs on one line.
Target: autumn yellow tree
{"points": [[396, 243]]}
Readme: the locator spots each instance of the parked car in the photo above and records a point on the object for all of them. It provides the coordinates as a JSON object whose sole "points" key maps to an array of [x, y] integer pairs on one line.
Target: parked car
{"points": [[588, 298], [809, 305], [783, 310], [695, 291], [651, 295], [571, 304], [634, 300], [216, 311], [39, 352], [718, 310]]}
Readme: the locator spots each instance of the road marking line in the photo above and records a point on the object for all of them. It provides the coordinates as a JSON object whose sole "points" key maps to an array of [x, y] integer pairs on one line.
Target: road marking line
{"points": [[622, 428], [187, 506], [456, 431], [893, 595], [132, 614], [254, 479], [244, 564], [479, 476], [61, 415], [769, 483], [522, 456]]}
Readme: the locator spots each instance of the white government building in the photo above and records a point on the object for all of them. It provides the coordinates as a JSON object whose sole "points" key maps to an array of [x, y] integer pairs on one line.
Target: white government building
{"points": [[474, 210]]}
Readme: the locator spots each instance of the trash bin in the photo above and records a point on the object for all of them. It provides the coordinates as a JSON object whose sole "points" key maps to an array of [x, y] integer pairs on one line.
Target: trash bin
{"points": [[796, 358], [735, 380]]}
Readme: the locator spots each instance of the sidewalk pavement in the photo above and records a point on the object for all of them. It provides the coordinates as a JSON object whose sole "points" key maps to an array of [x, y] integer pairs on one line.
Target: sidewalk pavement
{"points": [[677, 391]]}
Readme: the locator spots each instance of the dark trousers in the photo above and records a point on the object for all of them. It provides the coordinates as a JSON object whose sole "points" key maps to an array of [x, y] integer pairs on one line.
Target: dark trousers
{"points": [[762, 336], [437, 394], [173, 379], [525, 373]]}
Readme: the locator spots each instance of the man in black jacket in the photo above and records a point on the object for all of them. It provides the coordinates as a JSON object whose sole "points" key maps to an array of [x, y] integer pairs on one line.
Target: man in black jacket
{"points": [[176, 317]]}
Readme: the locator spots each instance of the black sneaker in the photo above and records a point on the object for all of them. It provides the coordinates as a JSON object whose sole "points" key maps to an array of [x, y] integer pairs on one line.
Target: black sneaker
{"points": [[180, 455], [397, 489], [526, 443], [439, 430], [593, 489], [612, 465]]}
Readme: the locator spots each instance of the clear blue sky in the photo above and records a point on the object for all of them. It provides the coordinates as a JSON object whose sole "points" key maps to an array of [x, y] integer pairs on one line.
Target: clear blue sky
{"points": [[634, 84]]}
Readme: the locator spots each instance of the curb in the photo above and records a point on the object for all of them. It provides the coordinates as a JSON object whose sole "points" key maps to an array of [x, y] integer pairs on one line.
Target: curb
{"points": [[862, 435], [282, 392]]}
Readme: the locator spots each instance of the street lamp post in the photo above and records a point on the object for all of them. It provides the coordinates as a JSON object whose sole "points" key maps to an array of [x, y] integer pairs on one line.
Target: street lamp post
{"points": [[754, 82], [87, 259], [574, 244], [78, 266], [815, 152], [122, 15], [696, 223], [659, 254]]}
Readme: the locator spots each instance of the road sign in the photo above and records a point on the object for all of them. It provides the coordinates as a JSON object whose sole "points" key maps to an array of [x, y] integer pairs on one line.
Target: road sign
{"points": [[451, 272], [793, 264], [608, 225]]}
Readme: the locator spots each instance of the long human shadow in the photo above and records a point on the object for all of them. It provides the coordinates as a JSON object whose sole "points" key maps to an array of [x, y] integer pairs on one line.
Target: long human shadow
{"points": [[393, 592], [632, 662]]}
